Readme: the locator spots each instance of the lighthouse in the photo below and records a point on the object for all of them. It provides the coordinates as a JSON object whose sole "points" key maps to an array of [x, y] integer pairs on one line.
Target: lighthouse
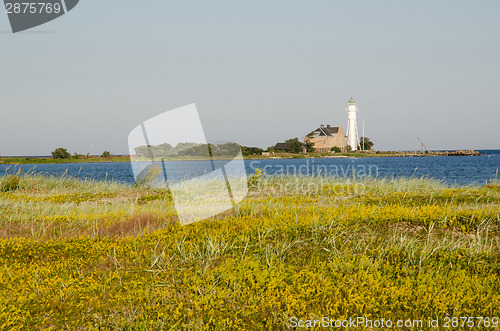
{"points": [[352, 125]]}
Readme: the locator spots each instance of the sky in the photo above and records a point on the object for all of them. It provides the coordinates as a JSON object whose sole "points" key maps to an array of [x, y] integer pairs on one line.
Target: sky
{"points": [[259, 72]]}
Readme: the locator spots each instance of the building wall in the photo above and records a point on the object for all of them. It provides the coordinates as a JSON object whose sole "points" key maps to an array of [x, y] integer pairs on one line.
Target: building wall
{"points": [[325, 144]]}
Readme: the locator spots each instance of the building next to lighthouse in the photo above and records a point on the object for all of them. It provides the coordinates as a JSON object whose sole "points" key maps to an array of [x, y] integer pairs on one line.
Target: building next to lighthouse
{"points": [[326, 137]]}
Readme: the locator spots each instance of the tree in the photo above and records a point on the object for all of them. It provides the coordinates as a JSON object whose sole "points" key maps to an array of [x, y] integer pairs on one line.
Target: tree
{"points": [[183, 146], [227, 149], [309, 146], [294, 145], [106, 154], [195, 150], [163, 150], [365, 143], [142, 151], [61, 153]]}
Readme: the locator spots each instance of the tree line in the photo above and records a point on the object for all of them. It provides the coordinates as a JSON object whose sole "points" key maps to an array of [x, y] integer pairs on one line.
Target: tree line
{"points": [[62, 153], [189, 149], [293, 145]]}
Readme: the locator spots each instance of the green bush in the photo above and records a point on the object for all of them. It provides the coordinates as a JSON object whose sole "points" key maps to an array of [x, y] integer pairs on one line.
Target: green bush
{"points": [[9, 183], [253, 180], [61, 153], [251, 151], [336, 149]]}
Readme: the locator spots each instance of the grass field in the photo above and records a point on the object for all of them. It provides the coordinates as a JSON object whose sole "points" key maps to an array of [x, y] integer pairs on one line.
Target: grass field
{"points": [[90, 255], [80, 159]]}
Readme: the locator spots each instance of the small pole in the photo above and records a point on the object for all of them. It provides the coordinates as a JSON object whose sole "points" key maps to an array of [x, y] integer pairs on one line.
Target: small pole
{"points": [[364, 134]]}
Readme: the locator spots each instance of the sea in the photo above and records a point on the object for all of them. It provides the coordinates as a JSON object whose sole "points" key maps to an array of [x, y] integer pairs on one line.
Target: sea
{"points": [[451, 170]]}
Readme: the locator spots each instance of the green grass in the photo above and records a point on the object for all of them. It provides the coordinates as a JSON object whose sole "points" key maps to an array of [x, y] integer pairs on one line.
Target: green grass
{"points": [[82, 159], [102, 255]]}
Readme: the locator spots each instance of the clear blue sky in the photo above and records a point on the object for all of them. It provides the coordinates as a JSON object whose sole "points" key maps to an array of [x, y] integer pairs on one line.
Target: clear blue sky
{"points": [[259, 71]]}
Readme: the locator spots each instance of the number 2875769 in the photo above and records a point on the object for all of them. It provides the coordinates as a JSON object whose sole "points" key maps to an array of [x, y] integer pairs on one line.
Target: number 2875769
{"points": [[32, 8]]}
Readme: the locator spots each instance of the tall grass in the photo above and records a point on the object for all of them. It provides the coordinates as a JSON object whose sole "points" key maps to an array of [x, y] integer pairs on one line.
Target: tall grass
{"points": [[89, 255]]}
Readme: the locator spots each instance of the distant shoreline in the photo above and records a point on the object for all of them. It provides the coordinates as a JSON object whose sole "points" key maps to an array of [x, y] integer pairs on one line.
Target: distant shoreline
{"points": [[50, 160], [277, 156]]}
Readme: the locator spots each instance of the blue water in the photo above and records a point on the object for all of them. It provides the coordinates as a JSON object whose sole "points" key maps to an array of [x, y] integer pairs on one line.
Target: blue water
{"points": [[459, 170]]}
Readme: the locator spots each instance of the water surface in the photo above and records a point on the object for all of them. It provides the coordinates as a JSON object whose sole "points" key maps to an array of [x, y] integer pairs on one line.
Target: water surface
{"points": [[454, 170]]}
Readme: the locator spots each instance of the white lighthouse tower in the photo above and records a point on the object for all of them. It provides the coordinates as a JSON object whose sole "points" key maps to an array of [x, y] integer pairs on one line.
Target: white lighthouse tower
{"points": [[352, 125]]}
